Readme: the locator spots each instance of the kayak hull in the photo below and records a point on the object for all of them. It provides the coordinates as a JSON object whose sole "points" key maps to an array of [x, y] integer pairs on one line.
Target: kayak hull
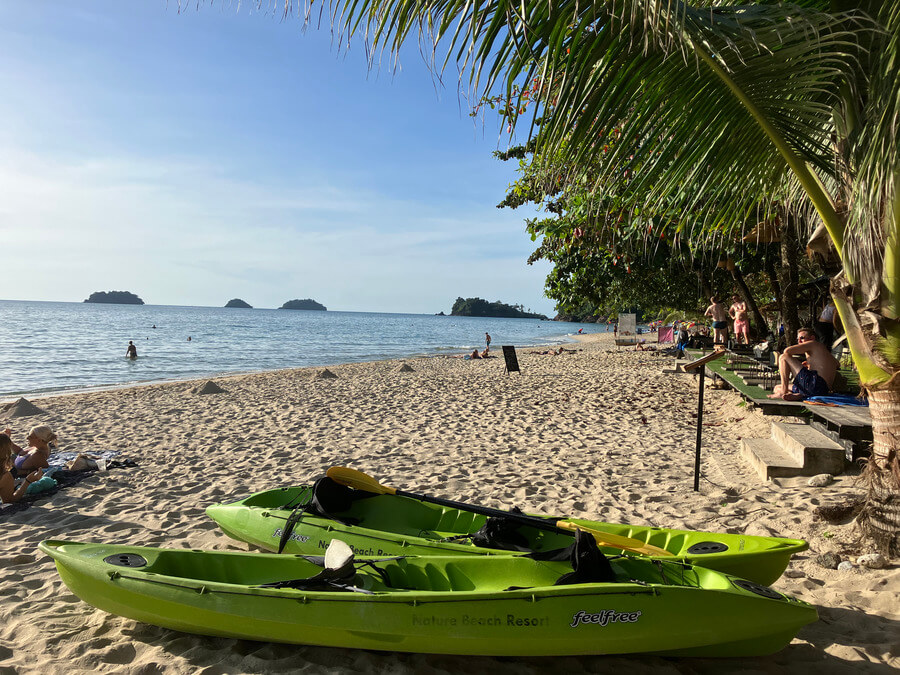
{"points": [[446, 605], [392, 525]]}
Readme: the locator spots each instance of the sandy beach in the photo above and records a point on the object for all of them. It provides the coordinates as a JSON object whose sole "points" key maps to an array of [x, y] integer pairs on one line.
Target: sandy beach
{"points": [[598, 433]]}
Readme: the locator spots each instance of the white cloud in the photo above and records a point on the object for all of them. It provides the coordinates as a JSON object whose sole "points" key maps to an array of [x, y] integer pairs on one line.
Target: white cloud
{"points": [[182, 231]]}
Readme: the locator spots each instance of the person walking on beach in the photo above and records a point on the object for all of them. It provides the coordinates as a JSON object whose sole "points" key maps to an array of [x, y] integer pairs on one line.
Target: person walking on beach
{"points": [[720, 319], [813, 377], [131, 352], [487, 340], [738, 312]]}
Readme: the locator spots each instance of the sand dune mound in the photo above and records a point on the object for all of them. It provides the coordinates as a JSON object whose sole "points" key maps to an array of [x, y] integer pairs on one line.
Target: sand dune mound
{"points": [[22, 408], [406, 368], [210, 388], [327, 375]]}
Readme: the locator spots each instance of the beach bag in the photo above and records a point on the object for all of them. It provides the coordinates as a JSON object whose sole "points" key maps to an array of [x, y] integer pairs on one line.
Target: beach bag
{"points": [[42, 485]]}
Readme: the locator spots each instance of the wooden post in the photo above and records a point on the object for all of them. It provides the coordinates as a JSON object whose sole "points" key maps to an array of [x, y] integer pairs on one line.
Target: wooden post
{"points": [[699, 430], [700, 364]]}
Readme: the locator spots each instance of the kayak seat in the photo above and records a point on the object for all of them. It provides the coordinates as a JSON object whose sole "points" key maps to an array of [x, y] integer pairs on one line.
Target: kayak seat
{"points": [[455, 520], [429, 577]]}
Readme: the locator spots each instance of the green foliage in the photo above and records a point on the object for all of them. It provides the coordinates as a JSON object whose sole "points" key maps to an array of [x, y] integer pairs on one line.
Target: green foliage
{"points": [[479, 307], [304, 304], [115, 297]]}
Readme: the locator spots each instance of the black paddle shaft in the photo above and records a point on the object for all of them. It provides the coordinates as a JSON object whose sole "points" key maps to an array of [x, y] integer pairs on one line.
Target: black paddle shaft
{"points": [[548, 524]]}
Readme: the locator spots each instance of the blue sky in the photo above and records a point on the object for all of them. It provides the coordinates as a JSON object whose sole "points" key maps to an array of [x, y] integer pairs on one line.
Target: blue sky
{"points": [[195, 156]]}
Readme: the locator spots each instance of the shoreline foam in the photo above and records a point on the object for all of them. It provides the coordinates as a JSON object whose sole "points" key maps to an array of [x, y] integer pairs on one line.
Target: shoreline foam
{"points": [[598, 433]]}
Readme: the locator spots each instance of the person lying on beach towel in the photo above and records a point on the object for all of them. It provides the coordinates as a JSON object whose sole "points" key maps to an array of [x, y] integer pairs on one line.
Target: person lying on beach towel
{"points": [[41, 440], [9, 493]]}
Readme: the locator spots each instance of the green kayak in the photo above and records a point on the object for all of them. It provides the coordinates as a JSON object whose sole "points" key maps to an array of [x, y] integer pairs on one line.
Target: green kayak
{"points": [[478, 605], [386, 524]]}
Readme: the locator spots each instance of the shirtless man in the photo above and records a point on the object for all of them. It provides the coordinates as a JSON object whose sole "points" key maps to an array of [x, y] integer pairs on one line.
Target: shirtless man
{"points": [[814, 377], [720, 319], [738, 312]]}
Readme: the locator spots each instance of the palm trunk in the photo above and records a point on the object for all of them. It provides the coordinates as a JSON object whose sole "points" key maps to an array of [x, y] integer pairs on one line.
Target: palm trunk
{"points": [[776, 290], [789, 279], [758, 320], [880, 517]]}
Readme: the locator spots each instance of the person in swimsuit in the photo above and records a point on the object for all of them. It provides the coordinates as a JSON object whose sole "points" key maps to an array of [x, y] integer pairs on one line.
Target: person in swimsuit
{"points": [[8, 490], [37, 454], [716, 310], [487, 340], [131, 352], [738, 312], [825, 325], [813, 377]]}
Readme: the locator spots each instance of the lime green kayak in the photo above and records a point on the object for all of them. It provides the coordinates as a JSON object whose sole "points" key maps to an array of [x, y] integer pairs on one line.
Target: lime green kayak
{"points": [[392, 525], [479, 605]]}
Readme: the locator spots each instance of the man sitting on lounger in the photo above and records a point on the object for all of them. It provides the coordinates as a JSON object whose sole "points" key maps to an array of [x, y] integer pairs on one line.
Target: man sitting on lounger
{"points": [[813, 377]]}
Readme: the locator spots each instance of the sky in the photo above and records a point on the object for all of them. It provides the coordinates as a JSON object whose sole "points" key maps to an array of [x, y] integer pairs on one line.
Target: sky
{"points": [[195, 155]]}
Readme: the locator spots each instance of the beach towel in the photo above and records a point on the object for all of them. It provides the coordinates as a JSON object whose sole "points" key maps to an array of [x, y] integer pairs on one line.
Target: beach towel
{"points": [[63, 479], [837, 399]]}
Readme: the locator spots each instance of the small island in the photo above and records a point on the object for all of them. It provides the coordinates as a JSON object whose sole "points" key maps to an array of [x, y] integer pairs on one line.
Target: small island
{"points": [[237, 302], [479, 307], [304, 304], [115, 297]]}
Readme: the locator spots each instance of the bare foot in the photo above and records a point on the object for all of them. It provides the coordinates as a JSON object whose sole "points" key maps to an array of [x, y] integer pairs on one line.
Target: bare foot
{"points": [[774, 396]]}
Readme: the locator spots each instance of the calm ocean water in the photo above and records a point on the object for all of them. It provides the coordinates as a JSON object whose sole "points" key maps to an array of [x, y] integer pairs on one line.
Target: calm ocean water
{"points": [[63, 346]]}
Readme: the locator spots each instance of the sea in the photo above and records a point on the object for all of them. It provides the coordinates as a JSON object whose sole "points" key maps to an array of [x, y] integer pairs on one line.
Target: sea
{"points": [[55, 347]]}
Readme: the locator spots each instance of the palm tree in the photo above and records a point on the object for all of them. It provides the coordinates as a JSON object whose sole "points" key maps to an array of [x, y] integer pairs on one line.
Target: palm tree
{"points": [[724, 109]]}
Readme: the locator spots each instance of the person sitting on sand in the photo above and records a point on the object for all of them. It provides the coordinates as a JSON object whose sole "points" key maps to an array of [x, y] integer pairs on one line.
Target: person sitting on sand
{"points": [[37, 454], [475, 354], [486, 353], [814, 377], [8, 490]]}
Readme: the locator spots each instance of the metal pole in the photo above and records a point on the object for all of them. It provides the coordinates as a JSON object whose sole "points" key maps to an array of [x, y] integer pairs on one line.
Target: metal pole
{"points": [[699, 429]]}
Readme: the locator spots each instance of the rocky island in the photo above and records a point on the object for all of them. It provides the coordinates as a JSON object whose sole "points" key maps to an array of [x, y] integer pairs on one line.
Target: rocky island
{"points": [[479, 307], [115, 297], [237, 302], [303, 304]]}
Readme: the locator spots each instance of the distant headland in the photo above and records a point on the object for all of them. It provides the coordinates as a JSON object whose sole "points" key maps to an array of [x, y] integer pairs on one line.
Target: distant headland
{"points": [[479, 307], [304, 304], [237, 302], [115, 297]]}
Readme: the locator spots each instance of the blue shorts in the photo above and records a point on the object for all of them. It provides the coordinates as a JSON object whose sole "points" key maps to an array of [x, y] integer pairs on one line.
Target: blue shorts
{"points": [[808, 383], [719, 325]]}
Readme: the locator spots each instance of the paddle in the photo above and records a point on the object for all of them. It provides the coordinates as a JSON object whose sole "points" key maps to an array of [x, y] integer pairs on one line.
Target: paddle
{"points": [[361, 481]]}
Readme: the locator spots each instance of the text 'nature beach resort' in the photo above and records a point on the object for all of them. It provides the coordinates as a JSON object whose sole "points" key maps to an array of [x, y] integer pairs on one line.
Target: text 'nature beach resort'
{"points": [[694, 467]]}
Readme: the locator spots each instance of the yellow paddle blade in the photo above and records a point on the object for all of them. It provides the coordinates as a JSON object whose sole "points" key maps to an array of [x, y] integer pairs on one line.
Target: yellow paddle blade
{"points": [[358, 480], [616, 540]]}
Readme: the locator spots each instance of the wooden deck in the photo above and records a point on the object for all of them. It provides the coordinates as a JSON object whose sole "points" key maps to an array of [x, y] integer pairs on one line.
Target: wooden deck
{"points": [[851, 426], [752, 393]]}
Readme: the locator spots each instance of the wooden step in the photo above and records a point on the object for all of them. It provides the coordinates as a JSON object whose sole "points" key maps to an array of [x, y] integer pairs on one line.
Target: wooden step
{"points": [[769, 460], [817, 452]]}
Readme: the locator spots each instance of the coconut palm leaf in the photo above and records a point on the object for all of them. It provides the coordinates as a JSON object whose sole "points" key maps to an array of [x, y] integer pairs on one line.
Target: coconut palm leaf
{"points": [[720, 108]]}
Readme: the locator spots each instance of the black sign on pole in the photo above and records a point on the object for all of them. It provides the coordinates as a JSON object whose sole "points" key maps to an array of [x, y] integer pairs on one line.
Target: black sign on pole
{"points": [[512, 362]]}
